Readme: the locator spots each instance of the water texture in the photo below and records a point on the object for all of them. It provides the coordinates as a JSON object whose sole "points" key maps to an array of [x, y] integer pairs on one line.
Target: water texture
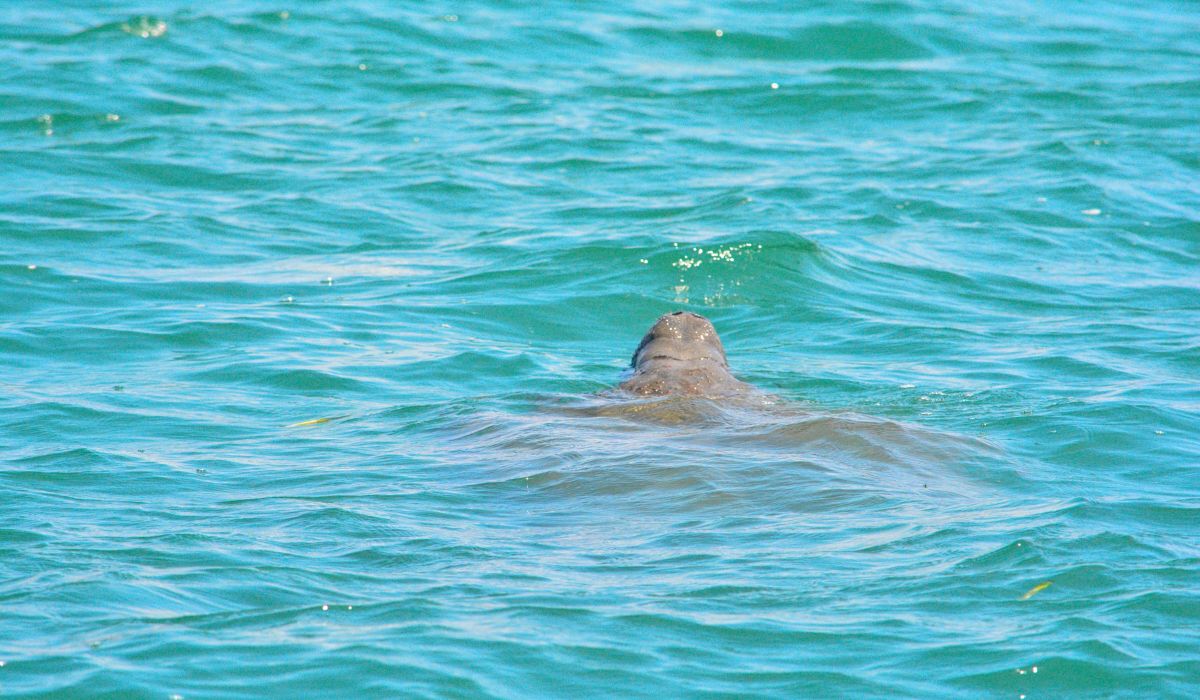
{"points": [[310, 311]]}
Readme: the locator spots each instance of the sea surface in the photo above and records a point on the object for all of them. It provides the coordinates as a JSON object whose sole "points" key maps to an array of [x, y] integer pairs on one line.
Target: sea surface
{"points": [[312, 312]]}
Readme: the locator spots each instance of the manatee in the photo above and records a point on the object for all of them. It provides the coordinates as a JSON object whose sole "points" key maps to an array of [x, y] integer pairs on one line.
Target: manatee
{"points": [[682, 355]]}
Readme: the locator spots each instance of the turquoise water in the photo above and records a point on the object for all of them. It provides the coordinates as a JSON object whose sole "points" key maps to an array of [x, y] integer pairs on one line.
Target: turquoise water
{"points": [[311, 310]]}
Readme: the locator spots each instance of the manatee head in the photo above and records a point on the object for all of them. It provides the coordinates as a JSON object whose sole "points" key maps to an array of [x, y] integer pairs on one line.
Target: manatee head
{"points": [[680, 336]]}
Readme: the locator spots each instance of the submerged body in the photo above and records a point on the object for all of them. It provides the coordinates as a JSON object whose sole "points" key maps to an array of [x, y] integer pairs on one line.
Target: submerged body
{"points": [[682, 355]]}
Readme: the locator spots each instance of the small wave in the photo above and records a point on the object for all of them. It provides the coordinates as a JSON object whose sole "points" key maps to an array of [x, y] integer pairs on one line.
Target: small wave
{"points": [[845, 41]]}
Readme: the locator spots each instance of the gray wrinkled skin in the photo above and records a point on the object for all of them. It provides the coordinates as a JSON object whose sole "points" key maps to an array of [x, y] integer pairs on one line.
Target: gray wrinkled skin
{"points": [[681, 355]]}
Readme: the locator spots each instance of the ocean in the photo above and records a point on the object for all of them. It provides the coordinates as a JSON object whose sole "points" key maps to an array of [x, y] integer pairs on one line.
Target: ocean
{"points": [[315, 314]]}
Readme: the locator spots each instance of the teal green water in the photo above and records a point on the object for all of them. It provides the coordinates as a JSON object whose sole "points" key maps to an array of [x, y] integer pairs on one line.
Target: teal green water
{"points": [[958, 243]]}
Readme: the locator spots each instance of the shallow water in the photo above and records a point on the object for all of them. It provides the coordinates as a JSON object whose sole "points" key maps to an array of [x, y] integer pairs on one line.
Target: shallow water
{"points": [[310, 308]]}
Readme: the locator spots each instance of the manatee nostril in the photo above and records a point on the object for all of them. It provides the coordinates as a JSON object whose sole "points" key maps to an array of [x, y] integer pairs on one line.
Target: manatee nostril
{"points": [[677, 313]]}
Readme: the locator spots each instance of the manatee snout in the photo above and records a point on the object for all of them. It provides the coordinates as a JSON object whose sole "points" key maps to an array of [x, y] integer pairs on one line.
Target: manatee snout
{"points": [[681, 354]]}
